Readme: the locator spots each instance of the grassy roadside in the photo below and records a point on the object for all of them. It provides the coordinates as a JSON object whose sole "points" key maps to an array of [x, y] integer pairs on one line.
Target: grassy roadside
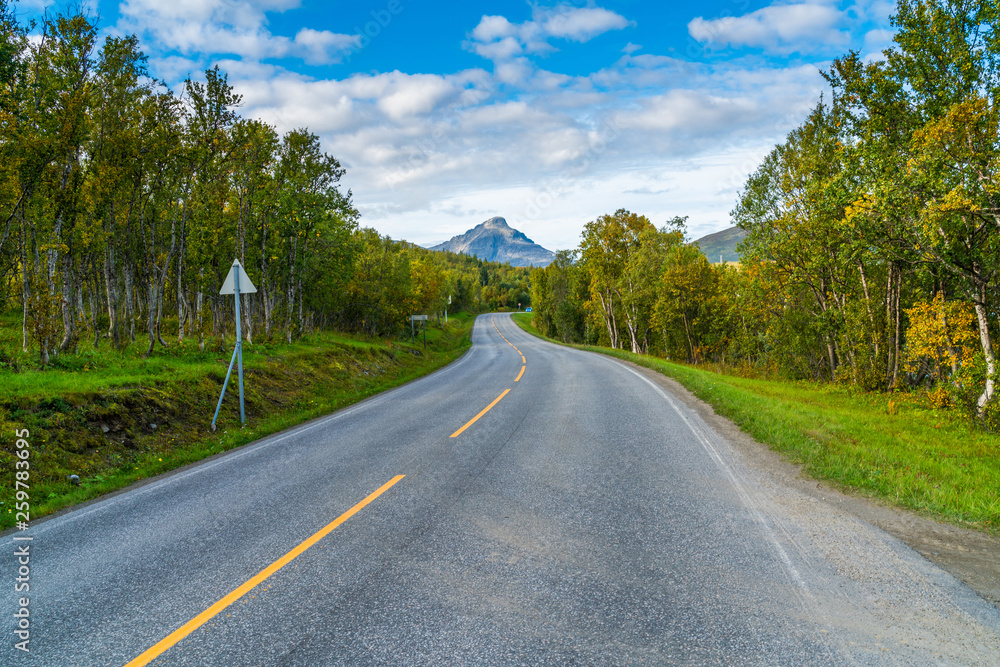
{"points": [[114, 418], [888, 447]]}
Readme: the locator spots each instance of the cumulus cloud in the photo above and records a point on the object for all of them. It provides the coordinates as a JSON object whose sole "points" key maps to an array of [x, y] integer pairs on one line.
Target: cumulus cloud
{"points": [[317, 47], [492, 28], [412, 95], [692, 112], [783, 29], [235, 27], [654, 132], [412, 142], [579, 24], [497, 39]]}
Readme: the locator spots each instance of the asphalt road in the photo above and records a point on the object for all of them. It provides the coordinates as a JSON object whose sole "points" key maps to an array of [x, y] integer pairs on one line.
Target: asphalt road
{"points": [[587, 518]]}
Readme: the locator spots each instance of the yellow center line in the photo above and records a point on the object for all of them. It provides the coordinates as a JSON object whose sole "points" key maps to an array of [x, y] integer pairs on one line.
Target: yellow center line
{"points": [[523, 360], [205, 616], [519, 374], [476, 418]]}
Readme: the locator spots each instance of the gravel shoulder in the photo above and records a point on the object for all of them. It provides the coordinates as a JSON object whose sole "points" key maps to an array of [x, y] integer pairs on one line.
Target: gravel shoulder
{"points": [[970, 556]]}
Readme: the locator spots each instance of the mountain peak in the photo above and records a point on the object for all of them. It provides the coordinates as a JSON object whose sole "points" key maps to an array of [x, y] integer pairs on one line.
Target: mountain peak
{"points": [[496, 241]]}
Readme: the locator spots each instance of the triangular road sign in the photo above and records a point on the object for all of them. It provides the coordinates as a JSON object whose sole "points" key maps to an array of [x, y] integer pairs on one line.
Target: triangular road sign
{"points": [[229, 286]]}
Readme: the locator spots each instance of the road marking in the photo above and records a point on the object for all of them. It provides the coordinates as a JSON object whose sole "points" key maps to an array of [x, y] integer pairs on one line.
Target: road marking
{"points": [[207, 615], [476, 418], [507, 341], [704, 436], [519, 374]]}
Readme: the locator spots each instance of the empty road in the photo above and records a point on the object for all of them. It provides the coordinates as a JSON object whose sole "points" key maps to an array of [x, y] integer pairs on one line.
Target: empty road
{"points": [[529, 504]]}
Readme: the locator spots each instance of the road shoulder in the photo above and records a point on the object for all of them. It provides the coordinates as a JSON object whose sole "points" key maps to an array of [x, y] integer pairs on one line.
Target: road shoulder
{"points": [[968, 555]]}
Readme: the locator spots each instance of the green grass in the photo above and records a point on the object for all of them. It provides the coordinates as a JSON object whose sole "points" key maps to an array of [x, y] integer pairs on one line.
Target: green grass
{"points": [[92, 414], [527, 322], [890, 447]]}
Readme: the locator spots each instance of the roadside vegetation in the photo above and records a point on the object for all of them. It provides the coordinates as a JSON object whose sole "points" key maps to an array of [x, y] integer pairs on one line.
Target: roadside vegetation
{"points": [[123, 204], [872, 256], [114, 418], [857, 333], [894, 448]]}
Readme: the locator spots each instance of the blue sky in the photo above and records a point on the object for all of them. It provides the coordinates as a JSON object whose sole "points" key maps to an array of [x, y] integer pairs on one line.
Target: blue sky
{"points": [[546, 113]]}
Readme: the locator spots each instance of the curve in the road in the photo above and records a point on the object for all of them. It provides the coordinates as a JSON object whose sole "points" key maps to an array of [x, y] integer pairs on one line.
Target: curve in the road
{"points": [[588, 517]]}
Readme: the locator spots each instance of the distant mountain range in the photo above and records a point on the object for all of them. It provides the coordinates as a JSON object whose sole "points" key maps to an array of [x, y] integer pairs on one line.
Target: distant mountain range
{"points": [[496, 241], [721, 246]]}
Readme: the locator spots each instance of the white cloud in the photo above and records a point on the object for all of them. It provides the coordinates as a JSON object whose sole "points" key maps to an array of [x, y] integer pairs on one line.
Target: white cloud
{"points": [[497, 39], [322, 46], [579, 24], [500, 49], [877, 41], [416, 94], [803, 28], [492, 28], [38, 6], [691, 111], [421, 149], [430, 155], [553, 214], [175, 68], [237, 27], [514, 72]]}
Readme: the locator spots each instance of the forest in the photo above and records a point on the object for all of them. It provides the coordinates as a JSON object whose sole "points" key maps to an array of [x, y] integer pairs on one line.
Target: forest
{"points": [[124, 203], [873, 248]]}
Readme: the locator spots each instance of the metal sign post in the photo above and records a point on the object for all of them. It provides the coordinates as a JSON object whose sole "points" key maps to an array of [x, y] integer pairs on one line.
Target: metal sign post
{"points": [[236, 283], [419, 318]]}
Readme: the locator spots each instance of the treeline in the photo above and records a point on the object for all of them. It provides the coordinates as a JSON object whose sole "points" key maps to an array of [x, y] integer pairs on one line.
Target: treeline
{"points": [[873, 248], [632, 286], [123, 205]]}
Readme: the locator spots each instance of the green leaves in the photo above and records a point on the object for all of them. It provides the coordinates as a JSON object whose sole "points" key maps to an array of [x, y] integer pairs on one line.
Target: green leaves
{"points": [[890, 196]]}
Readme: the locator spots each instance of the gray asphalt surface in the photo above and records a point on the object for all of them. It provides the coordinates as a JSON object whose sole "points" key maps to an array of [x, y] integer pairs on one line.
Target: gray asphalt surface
{"points": [[588, 518]]}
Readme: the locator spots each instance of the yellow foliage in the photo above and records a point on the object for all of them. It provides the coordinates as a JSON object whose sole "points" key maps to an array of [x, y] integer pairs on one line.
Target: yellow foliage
{"points": [[940, 397], [942, 332]]}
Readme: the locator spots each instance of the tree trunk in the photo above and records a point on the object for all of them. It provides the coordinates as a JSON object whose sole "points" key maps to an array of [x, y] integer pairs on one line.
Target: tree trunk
{"points": [[150, 317], [183, 308], [291, 291], [631, 325], [986, 342], [268, 309], [608, 313], [264, 291], [129, 302], [868, 308], [111, 292], [197, 312], [161, 284], [95, 296], [897, 326], [70, 291], [246, 313], [687, 334], [25, 289], [302, 324]]}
